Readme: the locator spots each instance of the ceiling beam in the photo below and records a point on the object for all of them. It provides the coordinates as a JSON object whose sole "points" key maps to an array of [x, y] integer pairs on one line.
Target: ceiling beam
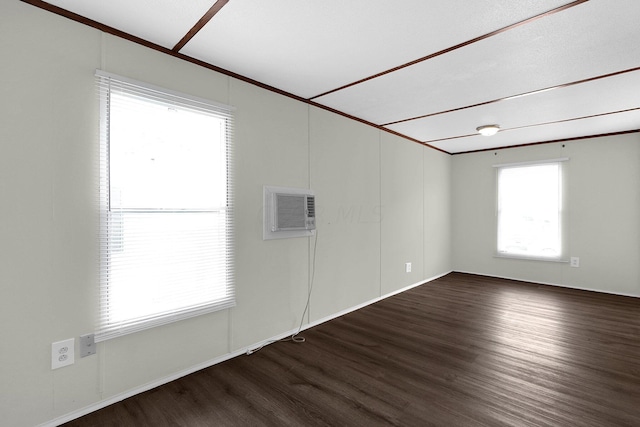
{"points": [[118, 33], [508, 98], [456, 47], [539, 124], [200, 24], [602, 135]]}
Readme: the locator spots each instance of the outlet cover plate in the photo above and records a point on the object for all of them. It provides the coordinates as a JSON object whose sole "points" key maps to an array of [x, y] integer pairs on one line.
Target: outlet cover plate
{"points": [[62, 353], [87, 345], [575, 261]]}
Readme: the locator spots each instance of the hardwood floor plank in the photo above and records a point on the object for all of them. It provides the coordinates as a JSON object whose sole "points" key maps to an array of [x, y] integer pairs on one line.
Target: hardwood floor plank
{"points": [[462, 350]]}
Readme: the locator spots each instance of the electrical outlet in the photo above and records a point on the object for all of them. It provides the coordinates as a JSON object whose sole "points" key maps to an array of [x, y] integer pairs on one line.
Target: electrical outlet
{"points": [[575, 261], [407, 267], [62, 353]]}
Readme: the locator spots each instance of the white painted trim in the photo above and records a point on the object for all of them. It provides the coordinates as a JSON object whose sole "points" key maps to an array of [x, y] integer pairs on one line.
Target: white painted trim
{"points": [[529, 258], [190, 99], [373, 301], [146, 387], [549, 284], [275, 339], [531, 163]]}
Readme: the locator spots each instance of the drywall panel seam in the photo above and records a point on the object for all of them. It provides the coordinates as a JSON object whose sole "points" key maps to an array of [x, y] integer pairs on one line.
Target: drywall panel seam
{"points": [[381, 218], [309, 259], [424, 222]]}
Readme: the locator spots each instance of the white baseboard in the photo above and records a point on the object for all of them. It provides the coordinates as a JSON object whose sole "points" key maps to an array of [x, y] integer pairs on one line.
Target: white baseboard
{"points": [[146, 387], [164, 380], [622, 294], [373, 301]]}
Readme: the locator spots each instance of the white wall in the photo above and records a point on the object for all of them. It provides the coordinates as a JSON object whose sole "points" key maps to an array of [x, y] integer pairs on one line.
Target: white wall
{"points": [[382, 201], [603, 204], [402, 209], [345, 173]]}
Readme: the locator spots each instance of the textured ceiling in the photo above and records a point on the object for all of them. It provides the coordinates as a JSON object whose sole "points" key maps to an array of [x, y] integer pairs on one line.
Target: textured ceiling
{"points": [[429, 70]]}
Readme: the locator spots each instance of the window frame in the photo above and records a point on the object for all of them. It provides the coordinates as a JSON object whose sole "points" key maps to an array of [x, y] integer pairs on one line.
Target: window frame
{"points": [[106, 327], [562, 214]]}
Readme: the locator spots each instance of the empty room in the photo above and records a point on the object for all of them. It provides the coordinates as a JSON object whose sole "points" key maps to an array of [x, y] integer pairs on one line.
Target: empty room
{"points": [[336, 213]]}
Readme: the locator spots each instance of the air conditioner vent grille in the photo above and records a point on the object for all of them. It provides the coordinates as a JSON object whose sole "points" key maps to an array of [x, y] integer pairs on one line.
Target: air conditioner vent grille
{"points": [[311, 206], [288, 212]]}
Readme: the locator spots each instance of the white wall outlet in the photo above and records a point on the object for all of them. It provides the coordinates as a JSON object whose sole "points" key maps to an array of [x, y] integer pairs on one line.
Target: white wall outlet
{"points": [[407, 267], [575, 261], [62, 353]]}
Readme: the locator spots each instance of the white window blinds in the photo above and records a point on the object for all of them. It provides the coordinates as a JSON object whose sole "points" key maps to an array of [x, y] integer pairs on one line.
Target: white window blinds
{"points": [[165, 206]]}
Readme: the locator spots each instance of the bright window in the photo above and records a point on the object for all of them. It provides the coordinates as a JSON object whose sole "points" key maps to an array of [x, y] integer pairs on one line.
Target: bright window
{"points": [[530, 211], [165, 237]]}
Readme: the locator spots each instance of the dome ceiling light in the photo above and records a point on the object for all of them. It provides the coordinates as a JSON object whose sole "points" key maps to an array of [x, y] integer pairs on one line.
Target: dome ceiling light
{"points": [[488, 130]]}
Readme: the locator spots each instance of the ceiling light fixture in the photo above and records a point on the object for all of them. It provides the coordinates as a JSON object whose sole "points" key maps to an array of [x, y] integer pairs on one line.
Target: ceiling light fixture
{"points": [[488, 130]]}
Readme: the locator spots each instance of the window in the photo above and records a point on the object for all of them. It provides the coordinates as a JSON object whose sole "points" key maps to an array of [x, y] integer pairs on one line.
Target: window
{"points": [[165, 206], [530, 210]]}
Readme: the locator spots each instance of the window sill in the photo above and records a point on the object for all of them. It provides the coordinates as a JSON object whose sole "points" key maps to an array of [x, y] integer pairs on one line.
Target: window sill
{"points": [[530, 258]]}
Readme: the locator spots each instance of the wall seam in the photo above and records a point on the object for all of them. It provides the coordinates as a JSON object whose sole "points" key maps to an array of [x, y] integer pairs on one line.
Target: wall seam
{"points": [[309, 255], [381, 209], [424, 213]]}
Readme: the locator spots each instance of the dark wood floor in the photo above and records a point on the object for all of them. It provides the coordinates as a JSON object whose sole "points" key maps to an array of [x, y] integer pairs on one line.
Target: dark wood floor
{"points": [[462, 350]]}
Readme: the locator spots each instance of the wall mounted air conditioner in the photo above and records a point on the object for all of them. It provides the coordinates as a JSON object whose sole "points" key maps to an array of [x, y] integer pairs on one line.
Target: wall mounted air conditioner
{"points": [[288, 212]]}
